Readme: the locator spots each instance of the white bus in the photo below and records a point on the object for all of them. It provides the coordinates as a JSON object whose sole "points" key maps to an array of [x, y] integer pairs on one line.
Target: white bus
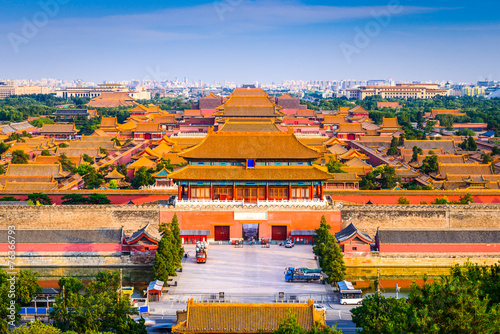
{"points": [[351, 297]]}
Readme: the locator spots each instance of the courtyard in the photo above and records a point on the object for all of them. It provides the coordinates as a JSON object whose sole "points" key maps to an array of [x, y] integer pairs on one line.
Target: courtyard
{"points": [[251, 270]]}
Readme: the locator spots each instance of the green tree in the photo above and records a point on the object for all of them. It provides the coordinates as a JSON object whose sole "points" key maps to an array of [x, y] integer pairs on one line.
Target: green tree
{"points": [[143, 177], [70, 284], [45, 153], [334, 166], [430, 164], [330, 256], [2, 170], [63, 145], [429, 126], [99, 308], [290, 325], [487, 159], [471, 144], [368, 182], [403, 201], [41, 198], [466, 199], [66, 164], [162, 163], [392, 151], [36, 327], [4, 147], [380, 315], [103, 151], [416, 151], [394, 142], [113, 184], [177, 241], [19, 157], [9, 199], [440, 201], [98, 199], [73, 199], [88, 158], [387, 176], [494, 151], [164, 263], [93, 179]]}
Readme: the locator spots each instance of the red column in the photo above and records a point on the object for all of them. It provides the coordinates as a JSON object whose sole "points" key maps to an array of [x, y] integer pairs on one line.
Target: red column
{"points": [[234, 191], [179, 193], [289, 192], [189, 191], [211, 191], [267, 191], [321, 192], [311, 191]]}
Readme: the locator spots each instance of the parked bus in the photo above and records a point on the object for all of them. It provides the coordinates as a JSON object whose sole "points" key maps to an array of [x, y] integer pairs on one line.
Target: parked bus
{"points": [[351, 297]]}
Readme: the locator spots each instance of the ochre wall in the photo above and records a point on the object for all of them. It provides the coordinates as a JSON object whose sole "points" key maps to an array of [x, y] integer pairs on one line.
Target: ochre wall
{"points": [[369, 217]]}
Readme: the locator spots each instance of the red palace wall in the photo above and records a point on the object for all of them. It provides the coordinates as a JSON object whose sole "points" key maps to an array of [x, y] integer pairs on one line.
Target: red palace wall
{"points": [[62, 248], [439, 248], [293, 220]]}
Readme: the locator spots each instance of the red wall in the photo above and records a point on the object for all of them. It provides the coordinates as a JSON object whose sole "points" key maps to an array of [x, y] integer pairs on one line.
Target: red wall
{"points": [[380, 199], [439, 248], [294, 220], [61, 248]]}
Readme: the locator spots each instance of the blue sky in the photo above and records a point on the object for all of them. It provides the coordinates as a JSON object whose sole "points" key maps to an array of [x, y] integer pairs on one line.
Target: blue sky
{"points": [[250, 40]]}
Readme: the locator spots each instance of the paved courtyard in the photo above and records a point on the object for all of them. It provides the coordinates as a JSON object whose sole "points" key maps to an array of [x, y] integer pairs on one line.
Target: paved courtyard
{"points": [[251, 270]]}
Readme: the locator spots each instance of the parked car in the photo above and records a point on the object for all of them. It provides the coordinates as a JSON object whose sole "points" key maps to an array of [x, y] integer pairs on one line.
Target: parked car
{"points": [[289, 244], [319, 307]]}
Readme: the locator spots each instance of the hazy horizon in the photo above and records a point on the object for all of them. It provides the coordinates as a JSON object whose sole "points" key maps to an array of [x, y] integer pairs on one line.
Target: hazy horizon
{"points": [[245, 41]]}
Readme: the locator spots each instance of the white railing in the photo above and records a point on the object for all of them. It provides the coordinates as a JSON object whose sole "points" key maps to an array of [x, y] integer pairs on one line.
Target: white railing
{"points": [[293, 202], [153, 187], [189, 135], [311, 135]]}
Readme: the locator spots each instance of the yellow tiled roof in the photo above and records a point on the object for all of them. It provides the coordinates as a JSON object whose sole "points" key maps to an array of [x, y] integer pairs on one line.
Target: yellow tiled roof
{"points": [[243, 317], [77, 160], [30, 186], [142, 162], [58, 128], [350, 128], [237, 145], [109, 122], [255, 126], [259, 173], [53, 170], [114, 175], [390, 123]]}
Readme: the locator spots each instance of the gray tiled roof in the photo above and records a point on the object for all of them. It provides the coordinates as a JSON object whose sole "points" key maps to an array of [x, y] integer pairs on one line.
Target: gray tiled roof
{"points": [[448, 236], [74, 236], [350, 231]]}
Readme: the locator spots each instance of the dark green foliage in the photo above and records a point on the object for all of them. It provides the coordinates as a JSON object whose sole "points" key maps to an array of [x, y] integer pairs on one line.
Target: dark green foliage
{"points": [[177, 241], [430, 164], [100, 308], [78, 199], [103, 151], [466, 199], [66, 164], [413, 186], [465, 132], [162, 163], [45, 153], [429, 126], [26, 286], [41, 198], [331, 259], [403, 201], [164, 263], [93, 180], [4, 147], [486, 158], [443, 200], [416, 151], [334, 166], [143, 177], [392, 151], [9, 199], [19, 157], [495, 150], [98, 199], [63, 145], [88, 158], [70, 284], [466, 301], [468, 144], [39, 122], [2, 170]]}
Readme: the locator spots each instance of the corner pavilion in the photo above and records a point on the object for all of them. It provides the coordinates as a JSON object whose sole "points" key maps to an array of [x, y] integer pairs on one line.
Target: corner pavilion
{"points": [[249, 159]]}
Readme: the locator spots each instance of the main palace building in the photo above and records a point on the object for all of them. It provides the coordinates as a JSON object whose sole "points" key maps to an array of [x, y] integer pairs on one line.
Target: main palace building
{"points": [[249, 158]]}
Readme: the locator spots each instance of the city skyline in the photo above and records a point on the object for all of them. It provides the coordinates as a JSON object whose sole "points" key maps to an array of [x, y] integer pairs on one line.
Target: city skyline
{"points": [[247, 41]]}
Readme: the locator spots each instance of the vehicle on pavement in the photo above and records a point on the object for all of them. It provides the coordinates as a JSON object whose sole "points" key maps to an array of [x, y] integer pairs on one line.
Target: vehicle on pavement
{"points": [[201, 252], [319, 307], [351, 297], [294, 275], [289, 244], [162, 328]]}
